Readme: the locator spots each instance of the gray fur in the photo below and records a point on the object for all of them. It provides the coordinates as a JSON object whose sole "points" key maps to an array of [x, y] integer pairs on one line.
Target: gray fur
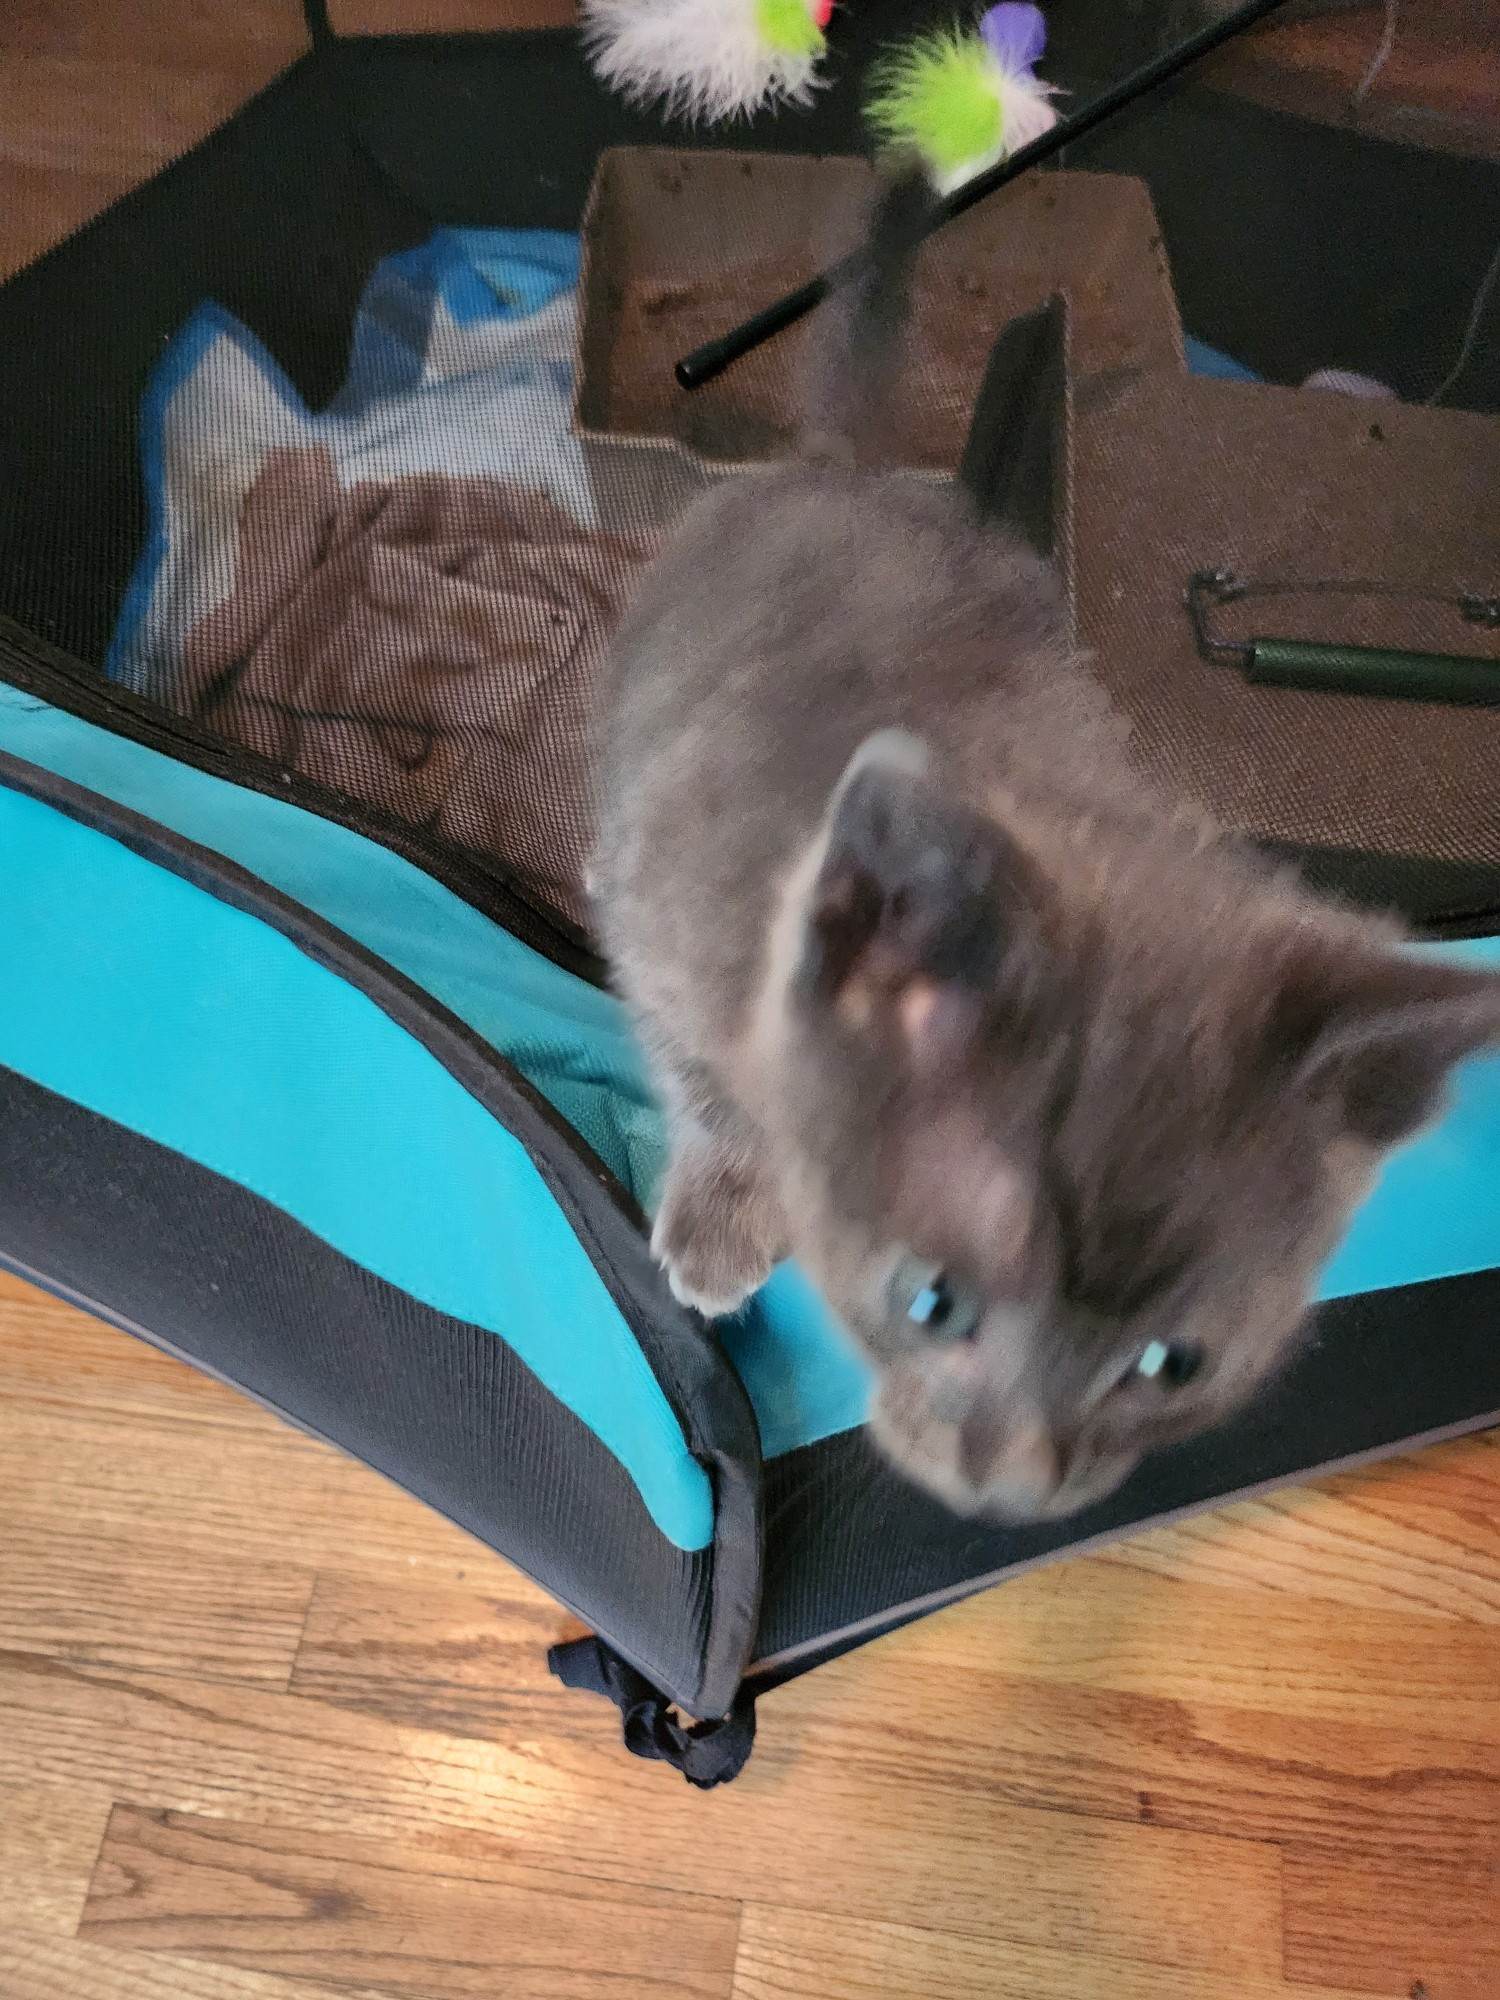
{"points": [[922, 965]]}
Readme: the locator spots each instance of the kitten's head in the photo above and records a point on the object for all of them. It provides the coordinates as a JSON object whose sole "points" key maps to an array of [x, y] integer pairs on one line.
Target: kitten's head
{"points": [[1073, 1120]]}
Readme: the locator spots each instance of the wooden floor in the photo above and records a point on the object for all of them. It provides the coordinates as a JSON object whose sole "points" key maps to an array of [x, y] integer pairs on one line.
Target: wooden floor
{"points": [[269, 1730], [1438, 85]]}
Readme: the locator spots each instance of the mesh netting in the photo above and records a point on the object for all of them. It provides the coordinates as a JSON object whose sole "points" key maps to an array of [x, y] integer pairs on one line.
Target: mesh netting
{"points": [[405, 606]]}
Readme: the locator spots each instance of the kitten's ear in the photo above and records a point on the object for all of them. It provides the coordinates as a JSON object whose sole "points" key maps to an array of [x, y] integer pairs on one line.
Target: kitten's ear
{"points": [[921, 906], [1381, 1030]]}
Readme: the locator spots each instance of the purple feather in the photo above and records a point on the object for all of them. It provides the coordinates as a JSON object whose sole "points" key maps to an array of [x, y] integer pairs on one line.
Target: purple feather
{"points": [[1015, 35]]}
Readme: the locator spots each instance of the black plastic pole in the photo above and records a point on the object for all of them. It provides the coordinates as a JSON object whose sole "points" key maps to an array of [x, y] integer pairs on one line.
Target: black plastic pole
{"points": [[705, 362]]}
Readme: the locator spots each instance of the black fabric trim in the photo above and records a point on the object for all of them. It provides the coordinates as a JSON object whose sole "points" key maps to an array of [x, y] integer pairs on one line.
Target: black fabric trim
{"points": [[765, 1675], [63, 682], [852, 1550], [1439, 899], [159, 1246], [684, 1355]]}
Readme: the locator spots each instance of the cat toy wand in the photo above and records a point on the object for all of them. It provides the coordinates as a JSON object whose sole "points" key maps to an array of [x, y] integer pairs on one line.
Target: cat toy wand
{"points": [[705, 362]]}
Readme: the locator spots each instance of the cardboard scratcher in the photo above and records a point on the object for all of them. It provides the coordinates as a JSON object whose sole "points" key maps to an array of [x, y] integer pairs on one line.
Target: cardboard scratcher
{"points": [[677, 246]]}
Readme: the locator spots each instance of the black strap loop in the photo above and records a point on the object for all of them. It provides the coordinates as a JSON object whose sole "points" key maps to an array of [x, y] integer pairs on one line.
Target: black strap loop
{"points": [[706, 1753]]}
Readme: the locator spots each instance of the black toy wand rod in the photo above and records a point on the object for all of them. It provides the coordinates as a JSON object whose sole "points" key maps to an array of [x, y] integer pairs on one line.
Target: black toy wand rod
{"points": [[705, 362]]}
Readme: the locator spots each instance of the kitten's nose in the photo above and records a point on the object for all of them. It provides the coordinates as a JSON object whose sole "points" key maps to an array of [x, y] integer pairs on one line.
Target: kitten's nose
{"points": [[1010, 1460]]}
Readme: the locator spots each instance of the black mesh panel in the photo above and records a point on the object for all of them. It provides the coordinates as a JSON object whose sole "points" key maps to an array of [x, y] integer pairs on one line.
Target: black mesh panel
{"points": [[146, 1238]]}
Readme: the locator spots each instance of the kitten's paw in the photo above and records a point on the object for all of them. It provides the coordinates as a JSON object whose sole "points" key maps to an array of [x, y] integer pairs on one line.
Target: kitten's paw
{"points": [[711, 1304], [718, 1235]]}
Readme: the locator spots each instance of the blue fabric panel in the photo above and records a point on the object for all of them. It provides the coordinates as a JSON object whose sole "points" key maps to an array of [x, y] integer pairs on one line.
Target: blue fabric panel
{"points": [[565, 1036], [1435, 1213], [152, 1003], [802, 1374]]}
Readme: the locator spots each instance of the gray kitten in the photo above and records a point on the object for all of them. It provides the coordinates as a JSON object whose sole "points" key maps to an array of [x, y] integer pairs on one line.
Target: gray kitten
{"points": [[1061, 1098]]}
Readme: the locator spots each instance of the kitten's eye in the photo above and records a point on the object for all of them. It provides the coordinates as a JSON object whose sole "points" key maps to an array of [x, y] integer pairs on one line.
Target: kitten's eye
{"points": [[930, 1298], [1170, 1364]]}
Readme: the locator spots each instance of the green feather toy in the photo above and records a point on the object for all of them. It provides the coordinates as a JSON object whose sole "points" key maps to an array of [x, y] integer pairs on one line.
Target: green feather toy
{"points": [[963, 99]]}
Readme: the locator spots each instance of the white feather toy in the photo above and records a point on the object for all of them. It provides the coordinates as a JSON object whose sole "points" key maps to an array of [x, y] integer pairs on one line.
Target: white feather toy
{"points": [[707, 60]]}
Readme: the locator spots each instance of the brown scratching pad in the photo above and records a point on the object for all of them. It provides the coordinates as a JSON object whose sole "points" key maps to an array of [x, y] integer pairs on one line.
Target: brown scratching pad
{"points": [[1015, 462], [1173, 476]]}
